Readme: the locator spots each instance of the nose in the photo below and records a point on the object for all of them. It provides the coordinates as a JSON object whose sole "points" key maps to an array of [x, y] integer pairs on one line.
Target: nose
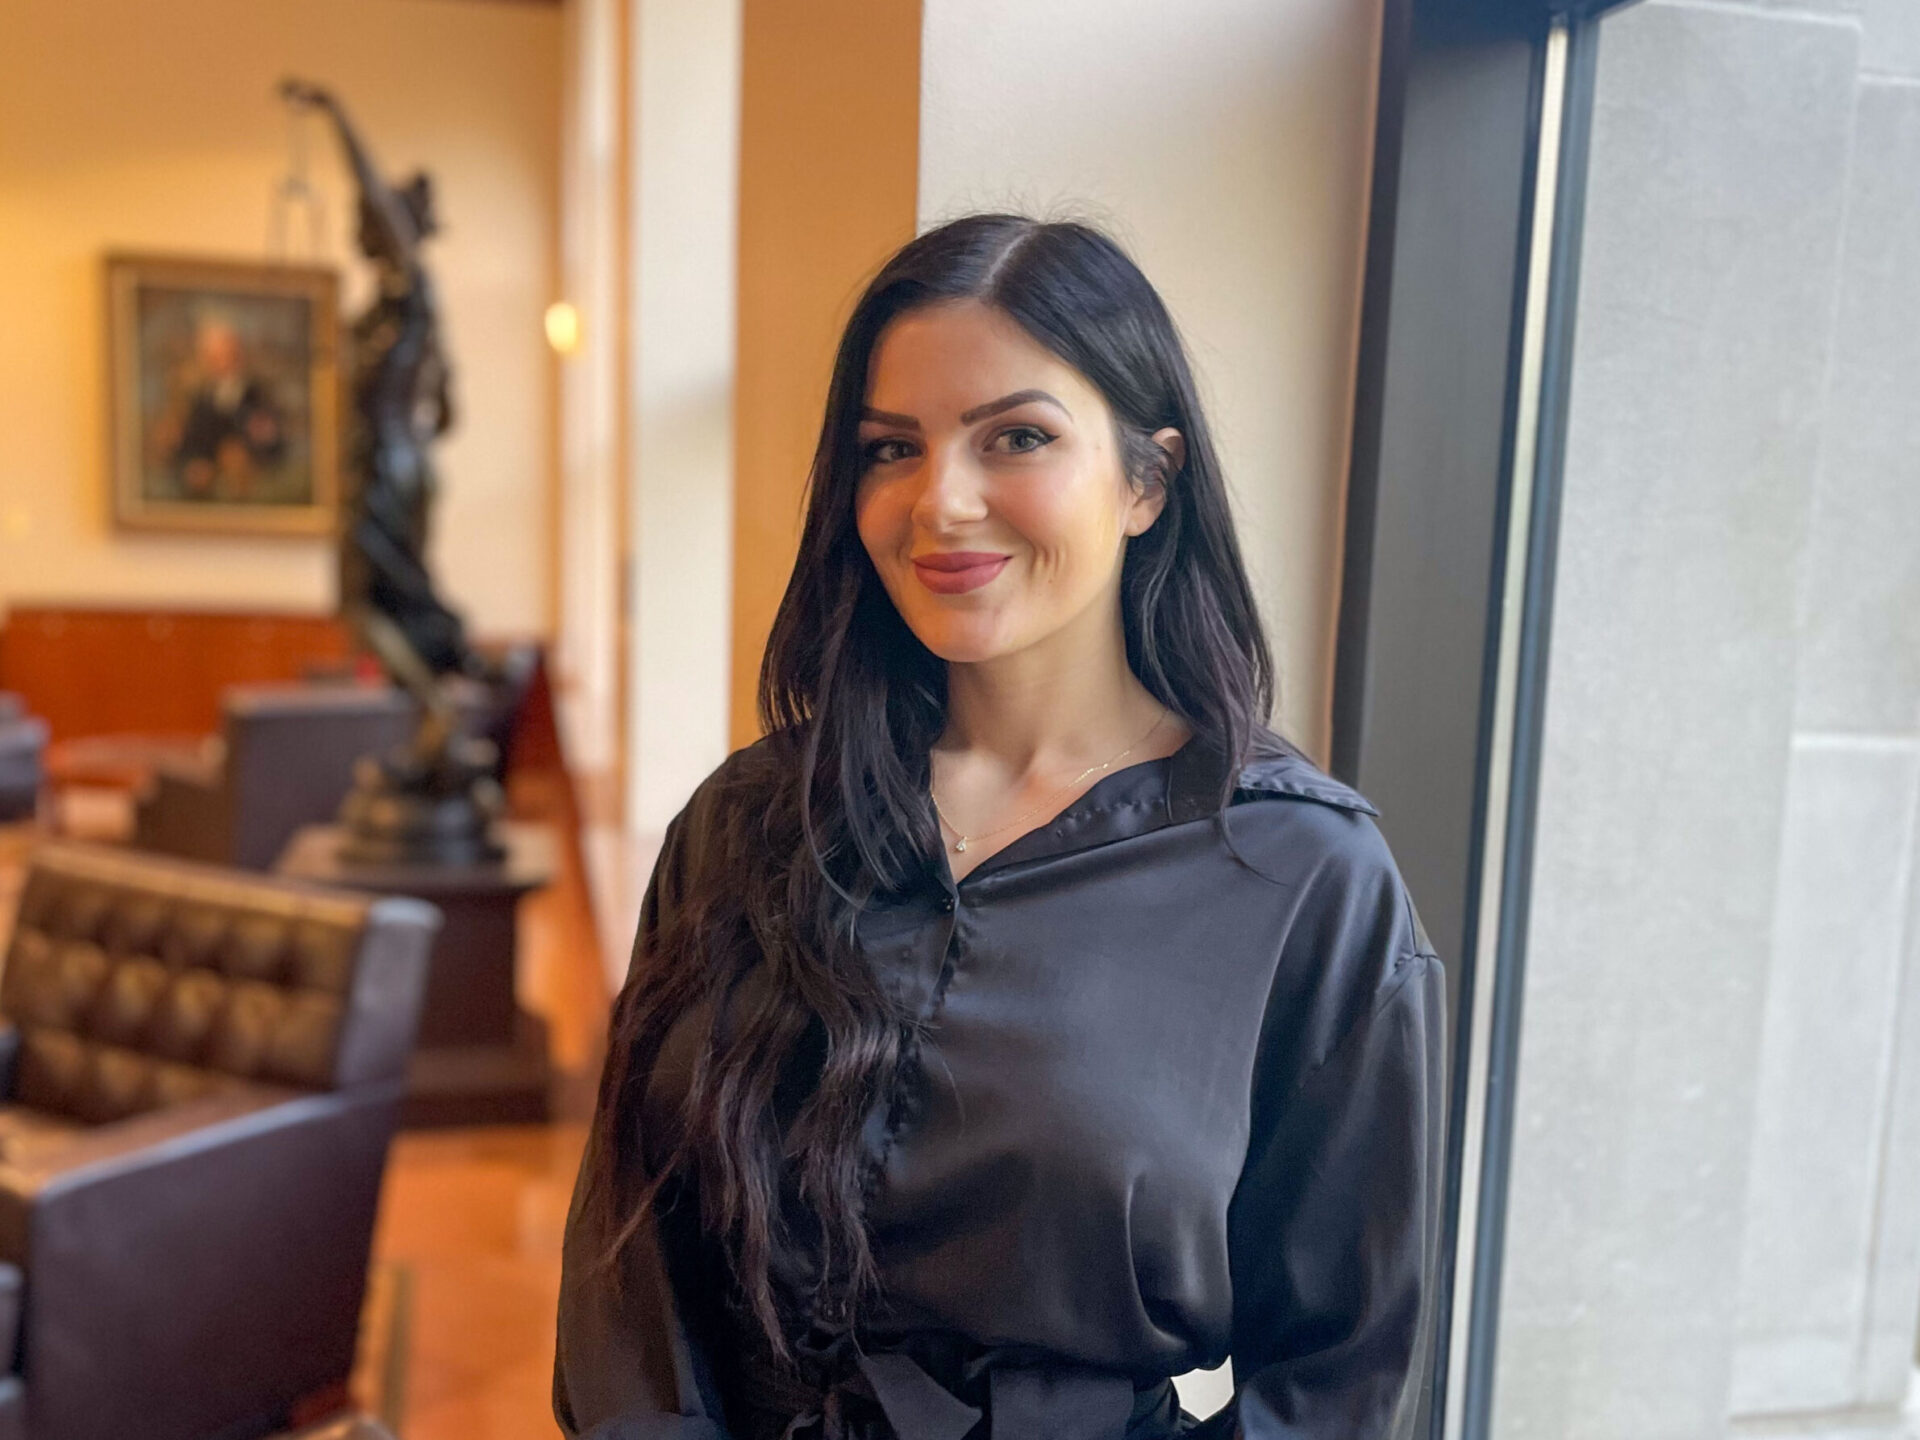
{"points": [[950, 490]]}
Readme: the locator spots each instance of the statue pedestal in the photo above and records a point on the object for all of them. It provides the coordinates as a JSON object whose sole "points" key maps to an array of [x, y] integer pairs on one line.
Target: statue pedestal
{"points": [[480, 1058]]}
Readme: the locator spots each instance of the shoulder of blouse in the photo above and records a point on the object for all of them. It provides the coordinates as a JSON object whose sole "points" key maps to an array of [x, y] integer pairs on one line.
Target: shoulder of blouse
{"points": [[1353, 925], [747, 777], [759, 763], [1276, 766]]}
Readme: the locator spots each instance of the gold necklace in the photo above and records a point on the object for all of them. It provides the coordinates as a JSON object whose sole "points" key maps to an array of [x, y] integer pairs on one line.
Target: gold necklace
{"points": [[960, 844]]}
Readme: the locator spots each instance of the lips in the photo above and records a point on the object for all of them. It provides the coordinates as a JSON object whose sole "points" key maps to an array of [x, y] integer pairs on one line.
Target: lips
{"points": [[953, 571]]}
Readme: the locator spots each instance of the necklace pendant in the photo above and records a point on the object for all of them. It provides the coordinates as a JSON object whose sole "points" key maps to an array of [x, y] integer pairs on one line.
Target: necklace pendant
{"points": [[961, 843]]}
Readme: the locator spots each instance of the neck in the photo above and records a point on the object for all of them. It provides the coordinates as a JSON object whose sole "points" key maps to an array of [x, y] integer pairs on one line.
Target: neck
{"points": [[1069, 701]]}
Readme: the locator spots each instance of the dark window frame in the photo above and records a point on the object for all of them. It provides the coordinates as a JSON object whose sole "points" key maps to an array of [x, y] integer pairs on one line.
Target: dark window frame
{"points": [[1422, 721]]}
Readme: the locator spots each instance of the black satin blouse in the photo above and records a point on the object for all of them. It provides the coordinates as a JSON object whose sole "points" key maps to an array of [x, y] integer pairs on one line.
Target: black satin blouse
{"points": [[1174, 1110]]}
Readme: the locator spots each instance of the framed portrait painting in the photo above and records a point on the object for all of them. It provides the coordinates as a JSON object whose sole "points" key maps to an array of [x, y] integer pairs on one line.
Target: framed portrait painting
{"points": [[224, 380]]}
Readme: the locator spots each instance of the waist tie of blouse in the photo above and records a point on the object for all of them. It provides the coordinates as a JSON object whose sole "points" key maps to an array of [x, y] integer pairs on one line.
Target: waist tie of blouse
{"points": [[1028, 1397]]}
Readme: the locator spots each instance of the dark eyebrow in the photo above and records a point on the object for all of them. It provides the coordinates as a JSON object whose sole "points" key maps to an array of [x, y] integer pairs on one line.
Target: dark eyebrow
{"points": [[1008, 402], [869, 415]]}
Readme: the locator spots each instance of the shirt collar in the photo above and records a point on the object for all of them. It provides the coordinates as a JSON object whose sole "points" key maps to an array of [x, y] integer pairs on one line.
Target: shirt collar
{"points": [[1274, 766], [1127, 802]]}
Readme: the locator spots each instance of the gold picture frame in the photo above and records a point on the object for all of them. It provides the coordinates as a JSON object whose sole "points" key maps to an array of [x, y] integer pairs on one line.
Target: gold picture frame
{"points": [[224, 383]]}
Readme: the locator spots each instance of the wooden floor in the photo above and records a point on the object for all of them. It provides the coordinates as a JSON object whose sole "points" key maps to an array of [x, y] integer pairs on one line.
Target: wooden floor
{"points": [[474, 1216]]}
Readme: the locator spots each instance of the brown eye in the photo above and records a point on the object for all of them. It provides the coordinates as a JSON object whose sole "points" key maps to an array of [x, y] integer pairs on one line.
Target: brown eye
{"points": [[886, 452]]}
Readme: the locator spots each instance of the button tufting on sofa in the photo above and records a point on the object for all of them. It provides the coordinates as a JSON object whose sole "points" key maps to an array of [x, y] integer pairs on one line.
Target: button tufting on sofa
{"points": [[200, 1072]]}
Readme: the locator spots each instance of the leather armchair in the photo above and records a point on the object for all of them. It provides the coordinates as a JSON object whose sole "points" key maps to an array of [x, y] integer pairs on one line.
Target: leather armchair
{"points": [[284, 759], [199, 1077], [23, 742]]}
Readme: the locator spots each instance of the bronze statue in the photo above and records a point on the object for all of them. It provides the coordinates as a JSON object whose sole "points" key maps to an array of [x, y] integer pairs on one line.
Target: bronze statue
{"points": [[435, 800]]}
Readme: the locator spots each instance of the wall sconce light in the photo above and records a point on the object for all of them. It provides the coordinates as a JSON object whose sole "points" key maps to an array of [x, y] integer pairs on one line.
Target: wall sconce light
{"points": [[563, 327]]}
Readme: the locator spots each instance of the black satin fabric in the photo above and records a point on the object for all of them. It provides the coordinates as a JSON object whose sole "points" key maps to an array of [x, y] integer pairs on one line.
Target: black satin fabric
{"points": [[1175, 1109]]}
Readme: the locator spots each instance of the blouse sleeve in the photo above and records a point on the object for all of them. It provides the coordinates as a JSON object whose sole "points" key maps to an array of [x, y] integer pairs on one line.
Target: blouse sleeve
{"points": [[1334, 1227], [629, 1362]]}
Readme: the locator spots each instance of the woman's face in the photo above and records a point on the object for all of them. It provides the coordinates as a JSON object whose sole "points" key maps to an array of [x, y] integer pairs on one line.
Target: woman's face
{"points": [[993, 500]]}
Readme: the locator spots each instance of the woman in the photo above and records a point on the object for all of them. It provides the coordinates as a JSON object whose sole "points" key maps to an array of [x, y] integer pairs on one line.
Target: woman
{"points": [[1021, 1022]]}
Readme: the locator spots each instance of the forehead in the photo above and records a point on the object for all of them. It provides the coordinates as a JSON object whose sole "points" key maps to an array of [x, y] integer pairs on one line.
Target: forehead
{"points": [[955, 355]]}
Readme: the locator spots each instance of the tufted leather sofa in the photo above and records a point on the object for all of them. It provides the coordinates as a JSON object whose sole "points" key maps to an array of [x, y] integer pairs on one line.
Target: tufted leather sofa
{"points": [[200, 1072]]}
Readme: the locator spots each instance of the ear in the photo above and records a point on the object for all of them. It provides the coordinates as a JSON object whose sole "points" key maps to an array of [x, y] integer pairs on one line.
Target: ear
{"points": [[1175, 444], [1147, 507]]}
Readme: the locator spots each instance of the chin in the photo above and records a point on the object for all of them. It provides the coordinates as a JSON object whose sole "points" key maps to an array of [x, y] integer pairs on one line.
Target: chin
{"points": [[961, 640]]}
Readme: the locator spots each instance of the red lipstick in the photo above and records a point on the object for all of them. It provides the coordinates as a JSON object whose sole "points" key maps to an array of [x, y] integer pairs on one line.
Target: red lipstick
{"points": [[952, 571]]}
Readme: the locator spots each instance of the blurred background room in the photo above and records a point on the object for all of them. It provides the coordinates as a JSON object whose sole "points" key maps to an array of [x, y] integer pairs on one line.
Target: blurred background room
{"points": [[405, 407]]}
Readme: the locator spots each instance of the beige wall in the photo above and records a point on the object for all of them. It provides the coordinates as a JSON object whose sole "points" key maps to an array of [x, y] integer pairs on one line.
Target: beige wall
{"points": [[595, 452], [137, 125], [1229, 146], [829, 131]]}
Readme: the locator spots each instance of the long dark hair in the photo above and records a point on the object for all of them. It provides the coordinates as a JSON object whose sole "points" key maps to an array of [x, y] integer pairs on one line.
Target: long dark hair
{"points": [[830, 810]]}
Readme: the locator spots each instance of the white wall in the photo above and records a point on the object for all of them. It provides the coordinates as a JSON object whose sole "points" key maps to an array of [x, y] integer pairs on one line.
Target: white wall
{"points": [[130, 124], [686, 148], [1228, 145]]}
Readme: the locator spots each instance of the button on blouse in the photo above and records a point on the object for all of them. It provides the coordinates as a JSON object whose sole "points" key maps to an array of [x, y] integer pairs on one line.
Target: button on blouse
{"points": [[1173, 1109]]}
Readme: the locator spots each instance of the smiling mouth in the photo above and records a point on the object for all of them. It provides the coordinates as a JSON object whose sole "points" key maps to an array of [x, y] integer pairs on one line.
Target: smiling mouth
{"points": [[952, 574]]}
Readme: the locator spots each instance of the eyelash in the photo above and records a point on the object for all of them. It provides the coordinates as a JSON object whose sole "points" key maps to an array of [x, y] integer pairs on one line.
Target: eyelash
{"points": [[871, 452]]}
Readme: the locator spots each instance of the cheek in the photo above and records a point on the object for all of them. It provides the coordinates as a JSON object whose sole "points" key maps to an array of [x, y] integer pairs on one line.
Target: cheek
{"points": [[877, 519], [1071, 523]]}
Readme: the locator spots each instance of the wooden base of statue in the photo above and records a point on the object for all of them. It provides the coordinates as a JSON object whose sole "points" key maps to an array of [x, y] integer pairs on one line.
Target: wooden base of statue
{"points": [[480, 1058]]}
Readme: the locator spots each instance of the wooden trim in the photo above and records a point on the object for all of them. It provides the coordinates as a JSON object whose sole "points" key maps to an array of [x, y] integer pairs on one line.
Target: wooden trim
{"points": [[104, 670], [829, 187]]}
